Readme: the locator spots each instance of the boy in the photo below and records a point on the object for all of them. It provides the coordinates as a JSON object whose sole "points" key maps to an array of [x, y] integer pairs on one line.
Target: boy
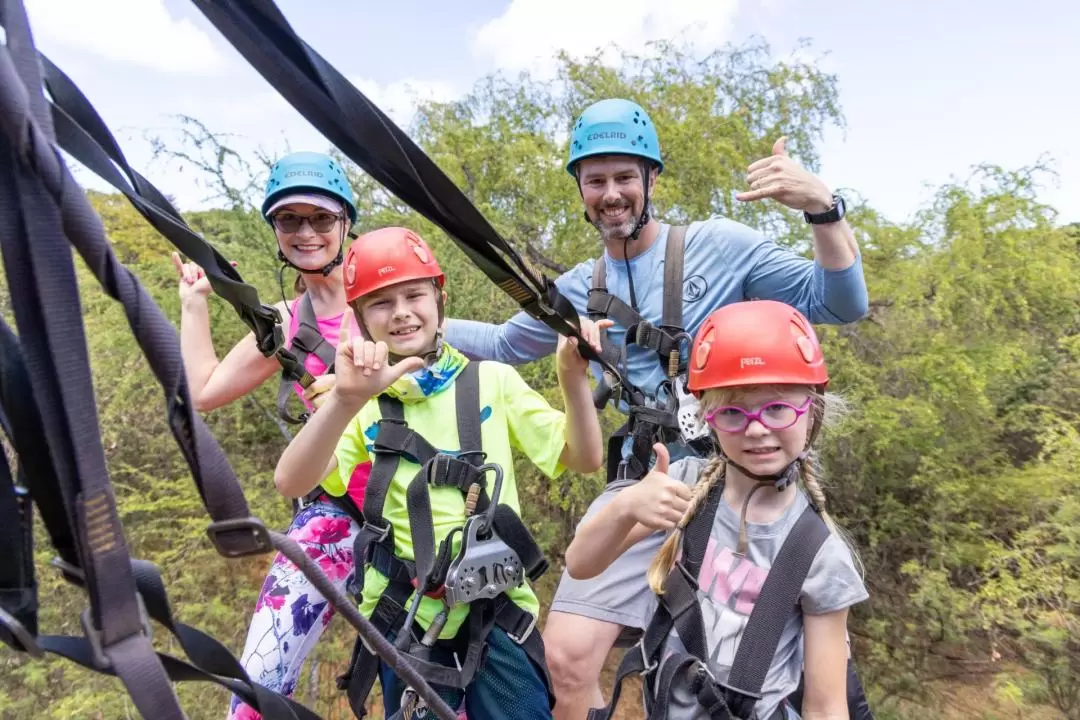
{"points": [[433, 477]]}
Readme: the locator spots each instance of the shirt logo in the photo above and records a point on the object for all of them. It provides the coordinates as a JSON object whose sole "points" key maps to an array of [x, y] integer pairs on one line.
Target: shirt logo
{"points": [[694, 288]]}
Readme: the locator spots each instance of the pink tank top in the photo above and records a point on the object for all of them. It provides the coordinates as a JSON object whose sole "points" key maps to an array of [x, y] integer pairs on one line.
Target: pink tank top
{"points": [[328, 328]]}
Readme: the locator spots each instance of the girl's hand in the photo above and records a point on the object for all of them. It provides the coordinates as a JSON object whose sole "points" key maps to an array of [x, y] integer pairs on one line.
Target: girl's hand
{"points": [[657, 501]]}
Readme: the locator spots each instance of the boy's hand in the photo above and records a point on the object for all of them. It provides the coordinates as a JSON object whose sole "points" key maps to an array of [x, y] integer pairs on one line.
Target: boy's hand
{"points": [[569, 356], [657, 501], [361, 366]]}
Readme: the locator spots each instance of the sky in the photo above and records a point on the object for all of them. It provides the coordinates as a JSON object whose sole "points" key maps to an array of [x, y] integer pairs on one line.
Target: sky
{"points": [[928, 88]]}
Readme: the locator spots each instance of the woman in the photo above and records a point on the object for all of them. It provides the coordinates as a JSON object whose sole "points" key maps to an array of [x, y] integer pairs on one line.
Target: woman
{"points": [[309, 204]]}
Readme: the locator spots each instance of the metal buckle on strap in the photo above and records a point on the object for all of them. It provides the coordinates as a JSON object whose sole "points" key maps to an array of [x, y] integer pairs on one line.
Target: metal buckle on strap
{"points": [[648, 669], [20, 634], [519, 639], [379, 533], [93, 635]]}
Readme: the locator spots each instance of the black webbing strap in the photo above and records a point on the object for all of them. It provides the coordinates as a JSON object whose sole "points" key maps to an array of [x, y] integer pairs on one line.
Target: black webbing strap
{"points": [[673, 278], [41, 275], [42, 209], [259, 31], [306, 341], [18, 585], [779, 597], [663, 338], [81, 132], [436, 473]]}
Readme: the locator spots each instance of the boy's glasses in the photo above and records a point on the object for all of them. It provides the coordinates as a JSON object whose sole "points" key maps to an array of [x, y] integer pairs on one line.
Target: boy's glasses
{"points": [[776, 415], [290, 222]]}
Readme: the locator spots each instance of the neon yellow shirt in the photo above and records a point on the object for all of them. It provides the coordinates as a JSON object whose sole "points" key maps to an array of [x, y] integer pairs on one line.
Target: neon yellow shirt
{"points": [[513, 415]]}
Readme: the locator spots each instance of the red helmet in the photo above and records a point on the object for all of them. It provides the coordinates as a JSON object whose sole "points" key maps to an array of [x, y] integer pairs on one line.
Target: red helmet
{"points": [[756, 342], [386, 257]]}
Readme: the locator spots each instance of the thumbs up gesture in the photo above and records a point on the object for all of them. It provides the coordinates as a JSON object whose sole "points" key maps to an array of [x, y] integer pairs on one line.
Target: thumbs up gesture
{"points": [[362, 370], [659, 501], [786, 181]]}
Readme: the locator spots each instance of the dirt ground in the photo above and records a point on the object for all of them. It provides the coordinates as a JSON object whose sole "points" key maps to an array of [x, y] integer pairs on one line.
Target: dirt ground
{"points": [[629, 703]]}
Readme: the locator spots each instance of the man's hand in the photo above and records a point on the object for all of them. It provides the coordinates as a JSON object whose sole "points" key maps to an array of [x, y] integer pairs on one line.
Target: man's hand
{"points": [[786, 181]]}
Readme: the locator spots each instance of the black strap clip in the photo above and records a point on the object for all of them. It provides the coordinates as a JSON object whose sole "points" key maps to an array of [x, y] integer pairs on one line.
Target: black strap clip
{"points": [[239, 537]]}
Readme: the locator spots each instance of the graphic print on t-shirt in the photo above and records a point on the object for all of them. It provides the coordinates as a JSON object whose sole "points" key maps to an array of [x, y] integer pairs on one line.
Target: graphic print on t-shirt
{"points": [[732, 584]]}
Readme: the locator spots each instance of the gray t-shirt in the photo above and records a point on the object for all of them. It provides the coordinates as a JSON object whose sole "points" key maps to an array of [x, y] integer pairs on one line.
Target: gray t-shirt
{"points": [[729, 587]]}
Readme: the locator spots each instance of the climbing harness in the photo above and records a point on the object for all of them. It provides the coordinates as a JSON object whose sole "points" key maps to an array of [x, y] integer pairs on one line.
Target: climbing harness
{"points": [[679, 609], [50, 417], [675, 418], [305, 342], [496, 554]]}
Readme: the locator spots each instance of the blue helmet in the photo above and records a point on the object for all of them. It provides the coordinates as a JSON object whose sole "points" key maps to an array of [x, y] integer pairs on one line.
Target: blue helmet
{"points": [[308, 172], [614, 127]]}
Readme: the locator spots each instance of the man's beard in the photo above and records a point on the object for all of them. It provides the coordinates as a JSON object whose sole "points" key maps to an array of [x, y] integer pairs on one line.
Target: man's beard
{"points": [[622, 231]]}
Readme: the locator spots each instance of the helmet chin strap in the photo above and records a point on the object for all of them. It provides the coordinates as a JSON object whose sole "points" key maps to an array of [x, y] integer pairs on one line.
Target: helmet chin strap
{"points": [[643, 219], [781, 480]]}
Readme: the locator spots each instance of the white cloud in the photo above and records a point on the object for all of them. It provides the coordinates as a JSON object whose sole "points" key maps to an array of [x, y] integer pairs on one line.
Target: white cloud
{"points": [[529, 32], [137, 32], [400, 98]]}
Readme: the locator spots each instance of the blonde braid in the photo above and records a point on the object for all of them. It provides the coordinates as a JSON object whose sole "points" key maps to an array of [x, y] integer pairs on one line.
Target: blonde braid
{"points": [[809, 476], [661, 566]]}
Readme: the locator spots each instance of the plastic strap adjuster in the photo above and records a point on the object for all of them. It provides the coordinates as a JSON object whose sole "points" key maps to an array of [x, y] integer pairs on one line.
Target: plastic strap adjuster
{"points": [[239, 537]]}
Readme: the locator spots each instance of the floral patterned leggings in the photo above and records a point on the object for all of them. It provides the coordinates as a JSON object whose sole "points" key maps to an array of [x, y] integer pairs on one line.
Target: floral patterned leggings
{"points": [[291, 613]]}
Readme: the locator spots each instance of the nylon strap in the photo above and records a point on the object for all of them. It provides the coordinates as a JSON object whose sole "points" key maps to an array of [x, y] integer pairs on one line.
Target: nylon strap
{"points": [[779, 597], [259, 31], [679, 608], [42, 209], [602, 304], [82, 133], [673, 277], [306, 341]]}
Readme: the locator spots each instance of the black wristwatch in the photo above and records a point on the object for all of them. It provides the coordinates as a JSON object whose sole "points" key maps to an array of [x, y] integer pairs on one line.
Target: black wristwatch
{"points": [[833, 214]]}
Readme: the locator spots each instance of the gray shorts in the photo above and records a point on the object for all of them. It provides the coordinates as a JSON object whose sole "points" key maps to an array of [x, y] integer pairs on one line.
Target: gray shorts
{"points": [[621, 594]]}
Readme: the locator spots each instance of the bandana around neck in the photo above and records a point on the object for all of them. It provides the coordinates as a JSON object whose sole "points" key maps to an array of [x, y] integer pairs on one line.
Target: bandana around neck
{"points": [[422, 384]]}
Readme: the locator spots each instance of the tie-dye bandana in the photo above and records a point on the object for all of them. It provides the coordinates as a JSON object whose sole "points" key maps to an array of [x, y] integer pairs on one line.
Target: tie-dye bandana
{"points": [[417, 386]]}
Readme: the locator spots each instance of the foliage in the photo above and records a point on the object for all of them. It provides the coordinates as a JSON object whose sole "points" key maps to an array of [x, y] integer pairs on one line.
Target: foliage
{"points": [[956, 472]]}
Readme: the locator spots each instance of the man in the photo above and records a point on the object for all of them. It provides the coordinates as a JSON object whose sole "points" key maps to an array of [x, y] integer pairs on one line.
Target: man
{"points": [[615, 160]]}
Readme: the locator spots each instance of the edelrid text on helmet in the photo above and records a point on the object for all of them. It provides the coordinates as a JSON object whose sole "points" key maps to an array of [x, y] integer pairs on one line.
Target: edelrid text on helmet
{"points": [[308, 172], [614, 127]]}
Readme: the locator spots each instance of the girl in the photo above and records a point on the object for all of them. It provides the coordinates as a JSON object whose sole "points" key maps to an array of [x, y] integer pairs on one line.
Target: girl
{"points": [[309, 204], [439, 424], [759, 372]]}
